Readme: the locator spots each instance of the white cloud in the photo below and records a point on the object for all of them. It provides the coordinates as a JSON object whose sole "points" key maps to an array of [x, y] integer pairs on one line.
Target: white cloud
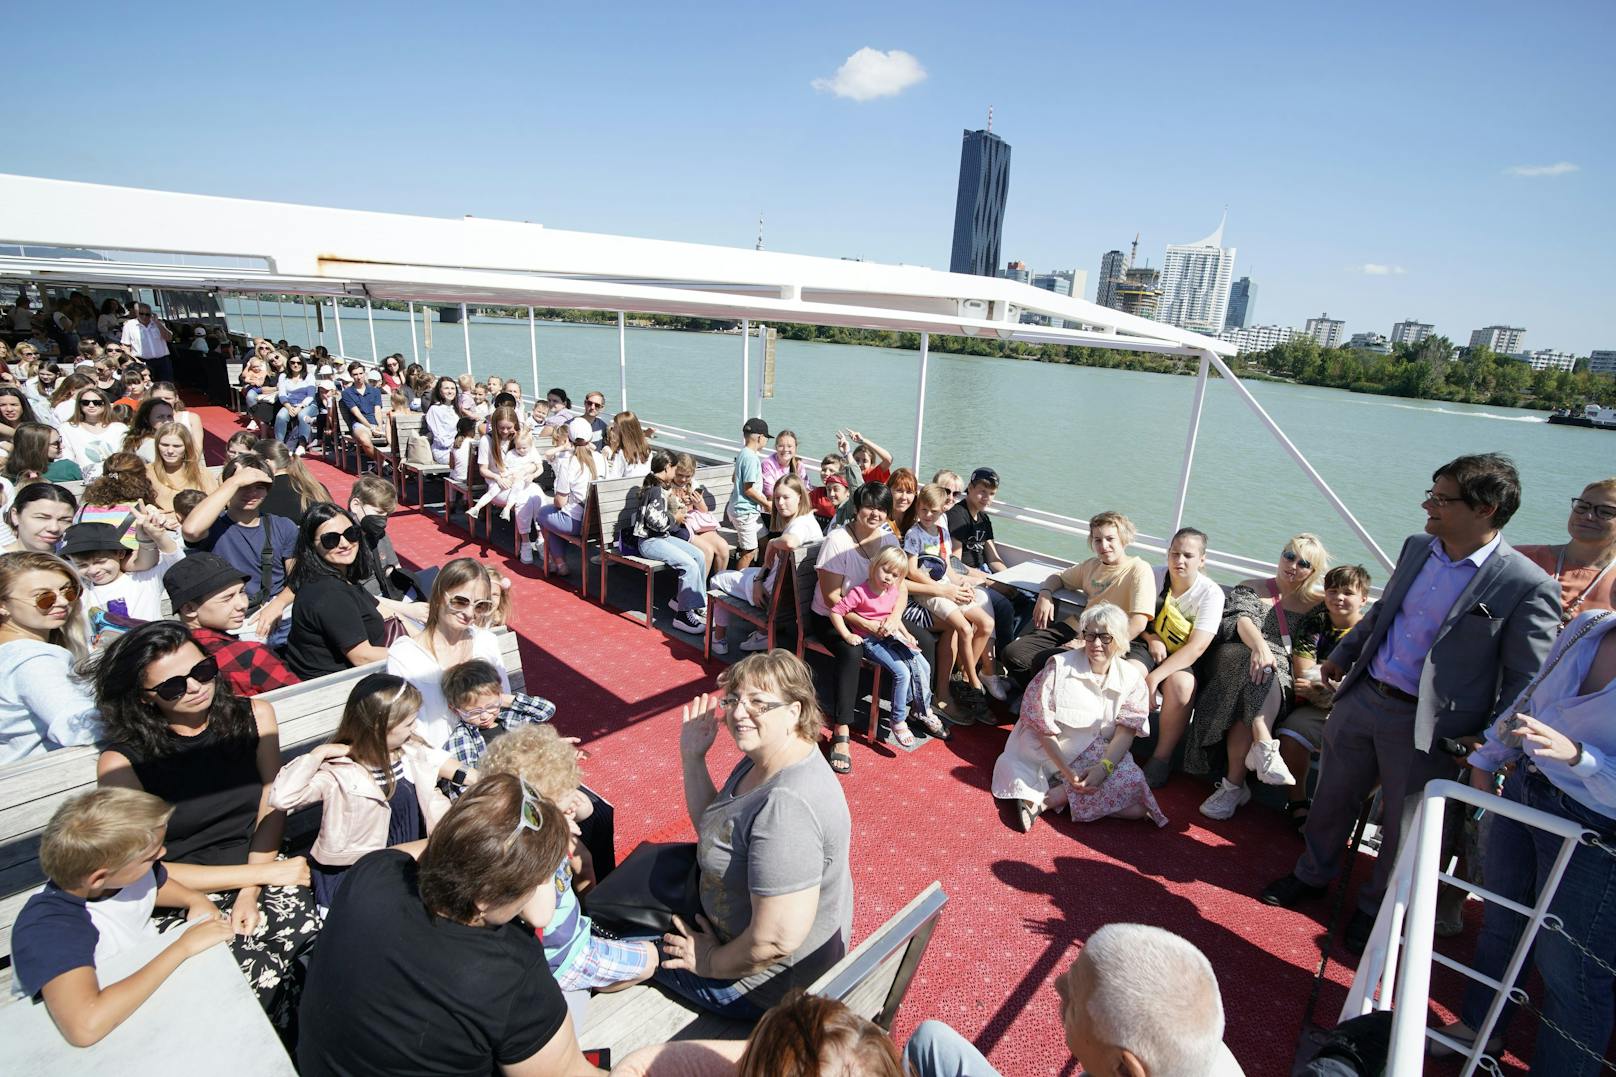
{"points": [[870, 73], [1376, 269], [1558, 168]]}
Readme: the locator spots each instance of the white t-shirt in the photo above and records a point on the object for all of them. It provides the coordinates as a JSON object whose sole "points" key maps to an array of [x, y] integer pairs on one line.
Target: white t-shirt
{"points": [[408, 659], [1202, 604], [918, 542], [89, 446], [618, 467], [841, 554], [572, 481], [141, 593], [804, 529], [459, 458]]}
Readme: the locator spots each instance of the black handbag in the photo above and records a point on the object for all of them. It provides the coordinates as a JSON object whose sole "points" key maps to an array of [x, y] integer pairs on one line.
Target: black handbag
{"points": [[653, 884]]}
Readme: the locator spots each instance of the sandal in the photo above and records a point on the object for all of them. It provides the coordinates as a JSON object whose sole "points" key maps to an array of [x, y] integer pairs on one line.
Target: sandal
{"points": [[901, 734], [840, 761], [1297, 812], [931, 724]]}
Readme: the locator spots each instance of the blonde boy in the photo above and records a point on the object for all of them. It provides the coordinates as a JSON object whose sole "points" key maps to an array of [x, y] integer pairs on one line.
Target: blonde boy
{"points": [[101, 852]]}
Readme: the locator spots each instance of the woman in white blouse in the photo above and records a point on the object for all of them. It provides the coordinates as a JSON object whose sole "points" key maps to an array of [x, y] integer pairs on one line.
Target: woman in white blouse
{"points": [[442, 418], [90, 435], [462, 600]]}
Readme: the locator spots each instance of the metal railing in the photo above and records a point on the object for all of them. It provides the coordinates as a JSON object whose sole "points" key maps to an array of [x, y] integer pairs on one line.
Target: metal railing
{"points": [[1395, 970]]}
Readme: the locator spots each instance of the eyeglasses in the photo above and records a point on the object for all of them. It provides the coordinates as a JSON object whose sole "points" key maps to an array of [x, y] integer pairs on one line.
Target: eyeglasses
{"points": [[1441, 501], [1592, 511], [45, 601], [479, 712], [460, 604], [332, 539], [594, 403], [985, 474], [1301, 563], [1103, 637], [203, 672], [953, 494], [143, 314], [92, 402], [756, 708], [529, 818]]}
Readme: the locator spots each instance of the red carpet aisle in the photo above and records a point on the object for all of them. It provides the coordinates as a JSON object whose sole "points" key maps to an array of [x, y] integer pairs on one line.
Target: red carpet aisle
{"points": [[1019, 904]]}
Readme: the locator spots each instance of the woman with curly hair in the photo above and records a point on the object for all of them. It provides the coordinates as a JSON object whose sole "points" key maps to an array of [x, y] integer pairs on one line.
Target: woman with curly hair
{"points": [[175, 729]]}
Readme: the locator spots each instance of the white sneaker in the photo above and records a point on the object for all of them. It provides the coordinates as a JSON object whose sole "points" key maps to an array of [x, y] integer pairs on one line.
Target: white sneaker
{"points": [[300, 450], [757, 641], [1264, 758], [998, 687], [1224, 800], [524, 550], [720, 645]]}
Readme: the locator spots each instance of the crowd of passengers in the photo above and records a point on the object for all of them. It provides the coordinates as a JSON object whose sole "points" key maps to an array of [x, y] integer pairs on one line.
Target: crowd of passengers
{"points": [[449, 799]]}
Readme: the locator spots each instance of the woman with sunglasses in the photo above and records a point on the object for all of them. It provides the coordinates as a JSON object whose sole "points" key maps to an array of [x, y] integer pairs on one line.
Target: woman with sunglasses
{"points": [[176, 730], [461, 604], [294, 417], [1585, 567], [90, 435], [39, 515], [42, 705], [336, 623], [1247, 684]]}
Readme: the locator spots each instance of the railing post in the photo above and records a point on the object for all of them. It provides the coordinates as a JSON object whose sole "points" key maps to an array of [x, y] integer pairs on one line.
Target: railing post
{"points": [[370, 320], [920, 400], [336, 316], [622, 361], [1189, 442], [308, 334], [746, 369], [258, 305], [763, 361], [533, 349], [465, 331], [415, 347], [280, 312]]}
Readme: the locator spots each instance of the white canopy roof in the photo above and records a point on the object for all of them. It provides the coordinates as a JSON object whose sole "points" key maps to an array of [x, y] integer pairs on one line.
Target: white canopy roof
{"points": [[130, 236]]}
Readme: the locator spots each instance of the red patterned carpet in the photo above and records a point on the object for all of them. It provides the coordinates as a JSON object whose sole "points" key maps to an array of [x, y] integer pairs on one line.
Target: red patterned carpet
{"points": [[1019, 904]]}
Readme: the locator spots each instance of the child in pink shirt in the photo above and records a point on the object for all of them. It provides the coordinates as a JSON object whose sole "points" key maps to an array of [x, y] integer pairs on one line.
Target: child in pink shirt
{"points": [[862, 617]]}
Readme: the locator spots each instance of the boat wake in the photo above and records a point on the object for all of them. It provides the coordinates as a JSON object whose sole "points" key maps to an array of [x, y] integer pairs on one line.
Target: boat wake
{"points": [[1440, 410]]}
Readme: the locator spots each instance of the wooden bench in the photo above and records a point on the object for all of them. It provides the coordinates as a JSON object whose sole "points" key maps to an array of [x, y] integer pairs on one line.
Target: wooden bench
{"points": [[871, 980], [32, 789], [766, 620], [616, 501], [470, 488], [805, 580], [406, 431], [232, 377]]}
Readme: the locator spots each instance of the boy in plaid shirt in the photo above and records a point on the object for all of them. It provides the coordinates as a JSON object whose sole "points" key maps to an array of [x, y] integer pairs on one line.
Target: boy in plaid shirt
{"points": [[484, 712], [209, 596]]}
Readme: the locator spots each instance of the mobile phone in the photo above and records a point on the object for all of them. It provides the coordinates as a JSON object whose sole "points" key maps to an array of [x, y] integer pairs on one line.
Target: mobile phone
{"points": [[600, 1057]]}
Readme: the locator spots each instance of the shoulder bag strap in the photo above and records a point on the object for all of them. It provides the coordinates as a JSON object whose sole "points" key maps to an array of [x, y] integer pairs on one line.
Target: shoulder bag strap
{"points": [[1279, 611], [1555, 656], [266, 559]]}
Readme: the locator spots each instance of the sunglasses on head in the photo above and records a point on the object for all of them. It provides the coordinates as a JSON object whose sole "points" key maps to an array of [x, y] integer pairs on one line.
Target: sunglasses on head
{"points": [[203, 672], [481, 607], [332, 539], [45, 601], [1292, 555], [529, 818]]}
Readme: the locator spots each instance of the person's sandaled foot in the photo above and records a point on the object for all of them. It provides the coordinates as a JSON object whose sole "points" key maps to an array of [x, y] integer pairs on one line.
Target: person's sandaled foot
{"points": [[840, 761], [901, 734], [1297, 811]]}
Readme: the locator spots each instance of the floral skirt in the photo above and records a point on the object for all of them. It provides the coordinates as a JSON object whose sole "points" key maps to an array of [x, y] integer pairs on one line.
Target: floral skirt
{"points": [[287, 927], [1125, 788]]}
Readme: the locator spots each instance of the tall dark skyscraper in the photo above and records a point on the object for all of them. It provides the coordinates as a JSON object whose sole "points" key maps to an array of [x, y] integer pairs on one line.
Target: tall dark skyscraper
{"points": [[984, 184], [1242, 304]]}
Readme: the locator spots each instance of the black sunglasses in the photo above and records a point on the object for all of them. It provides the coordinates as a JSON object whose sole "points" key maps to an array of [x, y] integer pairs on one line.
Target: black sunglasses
{"points": [[332, 539], [203, 672]]}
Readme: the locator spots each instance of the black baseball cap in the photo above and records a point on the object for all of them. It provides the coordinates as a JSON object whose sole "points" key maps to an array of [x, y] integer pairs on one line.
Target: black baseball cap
{"points": [[92, 538], [755, 426], [196, 576]]}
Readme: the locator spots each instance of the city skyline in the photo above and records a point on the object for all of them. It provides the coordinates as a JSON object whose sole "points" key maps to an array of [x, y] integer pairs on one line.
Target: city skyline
{"points": [[1368, 190]]}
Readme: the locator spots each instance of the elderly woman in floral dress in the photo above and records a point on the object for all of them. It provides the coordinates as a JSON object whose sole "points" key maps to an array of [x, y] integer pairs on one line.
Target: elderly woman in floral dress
{"points": [[1080, 714]]}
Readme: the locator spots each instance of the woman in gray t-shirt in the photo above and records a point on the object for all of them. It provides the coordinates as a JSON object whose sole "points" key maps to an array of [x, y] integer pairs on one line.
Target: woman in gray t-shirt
{"points": [[776, 886]]}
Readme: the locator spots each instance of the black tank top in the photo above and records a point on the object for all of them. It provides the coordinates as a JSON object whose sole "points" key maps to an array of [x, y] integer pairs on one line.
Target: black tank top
{"points": [[213, 784]]}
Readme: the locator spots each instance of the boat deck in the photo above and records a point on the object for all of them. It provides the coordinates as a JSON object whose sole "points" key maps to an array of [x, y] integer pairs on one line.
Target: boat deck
{"points": [[1020, 905]]}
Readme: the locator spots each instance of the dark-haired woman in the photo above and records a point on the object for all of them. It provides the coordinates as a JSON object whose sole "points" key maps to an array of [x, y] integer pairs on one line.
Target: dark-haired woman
{"points": [[462, 600], [15, 410], [175, 729], [426, 969], [38, 516], [442, 418], [336, 623]]}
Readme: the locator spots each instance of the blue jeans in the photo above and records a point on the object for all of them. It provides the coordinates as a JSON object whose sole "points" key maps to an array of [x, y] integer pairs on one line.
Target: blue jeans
{"points": [[911, 676], [560, 521], [935, 1050], [691, 563], [1577, 993], [1010, 616], [715, 996], [304, 430]]}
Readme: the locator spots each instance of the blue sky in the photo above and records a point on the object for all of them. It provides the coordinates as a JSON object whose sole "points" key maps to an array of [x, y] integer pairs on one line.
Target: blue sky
{"points": [[1340, 137]]}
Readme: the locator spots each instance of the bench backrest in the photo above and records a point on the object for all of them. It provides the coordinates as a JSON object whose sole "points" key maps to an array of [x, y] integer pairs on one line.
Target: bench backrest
{"points": [[804, 578], [32, 790], [873, 979], [232, 372]]}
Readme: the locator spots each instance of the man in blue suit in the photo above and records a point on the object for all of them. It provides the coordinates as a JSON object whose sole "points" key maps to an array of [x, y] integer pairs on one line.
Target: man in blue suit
{"points": [[1462, 627]]}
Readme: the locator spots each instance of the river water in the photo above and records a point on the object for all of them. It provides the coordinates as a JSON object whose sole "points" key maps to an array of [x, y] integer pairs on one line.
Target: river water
{"points": [[1067, 439]]}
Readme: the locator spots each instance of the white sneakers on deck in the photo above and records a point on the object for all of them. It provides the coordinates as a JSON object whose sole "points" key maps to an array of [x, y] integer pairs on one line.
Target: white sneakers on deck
{"points": [[524, 550], [998, 687], [1264, 758], [757, 641], [1224, 800]]}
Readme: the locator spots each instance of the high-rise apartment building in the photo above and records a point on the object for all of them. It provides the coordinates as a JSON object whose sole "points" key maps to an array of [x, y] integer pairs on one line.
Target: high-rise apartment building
{"points": [[1242, 304], [1112, 266], [1602, 361], [984, 186], [1369, 342], [1195, 280], [1411, 332], [1058, 281], [1547, 359], [1257, 338], [1328, 331], [1138, 292], [1018, 272], [1503, 339]]}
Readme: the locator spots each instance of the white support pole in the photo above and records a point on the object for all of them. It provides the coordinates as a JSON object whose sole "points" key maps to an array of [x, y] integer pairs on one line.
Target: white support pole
{"points": [[308, 334], [280, 312], [1296, 454], [465, 329], [746, 368], [533, 349], [415, 347], [622, 361], [920, 401], [336, 316], [370, 320], [1189, 442], [763, 359], [258, 305]]}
